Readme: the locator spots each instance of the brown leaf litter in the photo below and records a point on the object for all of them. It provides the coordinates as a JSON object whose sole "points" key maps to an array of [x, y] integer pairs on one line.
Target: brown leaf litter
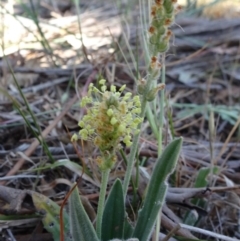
{"points": [[202, 77]]}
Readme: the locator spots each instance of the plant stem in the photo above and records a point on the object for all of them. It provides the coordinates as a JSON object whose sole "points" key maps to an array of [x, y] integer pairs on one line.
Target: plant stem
{"points": [[134, 146], [161, 117], [160, 136], [130, 165], [103, 188]]}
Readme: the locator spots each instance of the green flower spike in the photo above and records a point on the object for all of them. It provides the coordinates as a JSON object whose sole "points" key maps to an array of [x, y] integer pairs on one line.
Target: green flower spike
{"points": [[162, 16], [112, 117]]}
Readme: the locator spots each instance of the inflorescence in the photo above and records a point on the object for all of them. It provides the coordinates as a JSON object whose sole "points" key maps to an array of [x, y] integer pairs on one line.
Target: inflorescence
{"points": [[112, 117]]}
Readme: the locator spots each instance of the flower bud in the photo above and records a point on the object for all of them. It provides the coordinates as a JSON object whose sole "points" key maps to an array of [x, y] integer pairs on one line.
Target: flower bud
{"points": [[163, 46], [169, 7], [151, 95], [141, 86]]}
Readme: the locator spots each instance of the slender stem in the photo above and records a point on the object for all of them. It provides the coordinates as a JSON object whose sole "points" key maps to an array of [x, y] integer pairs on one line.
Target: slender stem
{"points": [[101, 202], [130, 165], [134, 146], [160, 136], [161, 117]]}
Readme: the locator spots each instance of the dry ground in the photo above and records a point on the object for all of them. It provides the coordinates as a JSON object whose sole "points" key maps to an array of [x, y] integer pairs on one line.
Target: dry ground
{"points": [[53, 68]]}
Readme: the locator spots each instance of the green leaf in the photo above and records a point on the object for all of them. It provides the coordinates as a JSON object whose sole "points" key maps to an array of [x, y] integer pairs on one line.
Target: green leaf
{"points": [[80, 224], [201, 181], [128, 229], [191, 218], [203, 174], [157, 190], [113, 215], [50, 219]]}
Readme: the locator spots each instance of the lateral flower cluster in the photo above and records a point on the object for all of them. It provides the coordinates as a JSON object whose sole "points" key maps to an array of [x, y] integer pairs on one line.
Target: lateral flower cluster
{"points": [[112, 117]]}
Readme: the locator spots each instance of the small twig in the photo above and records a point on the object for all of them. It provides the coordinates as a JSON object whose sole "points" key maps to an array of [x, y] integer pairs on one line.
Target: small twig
{"points": [[9, 231], [227, 141], [208, 233], [172, 232], [202, 189], [169, 224], [20, 176]]}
